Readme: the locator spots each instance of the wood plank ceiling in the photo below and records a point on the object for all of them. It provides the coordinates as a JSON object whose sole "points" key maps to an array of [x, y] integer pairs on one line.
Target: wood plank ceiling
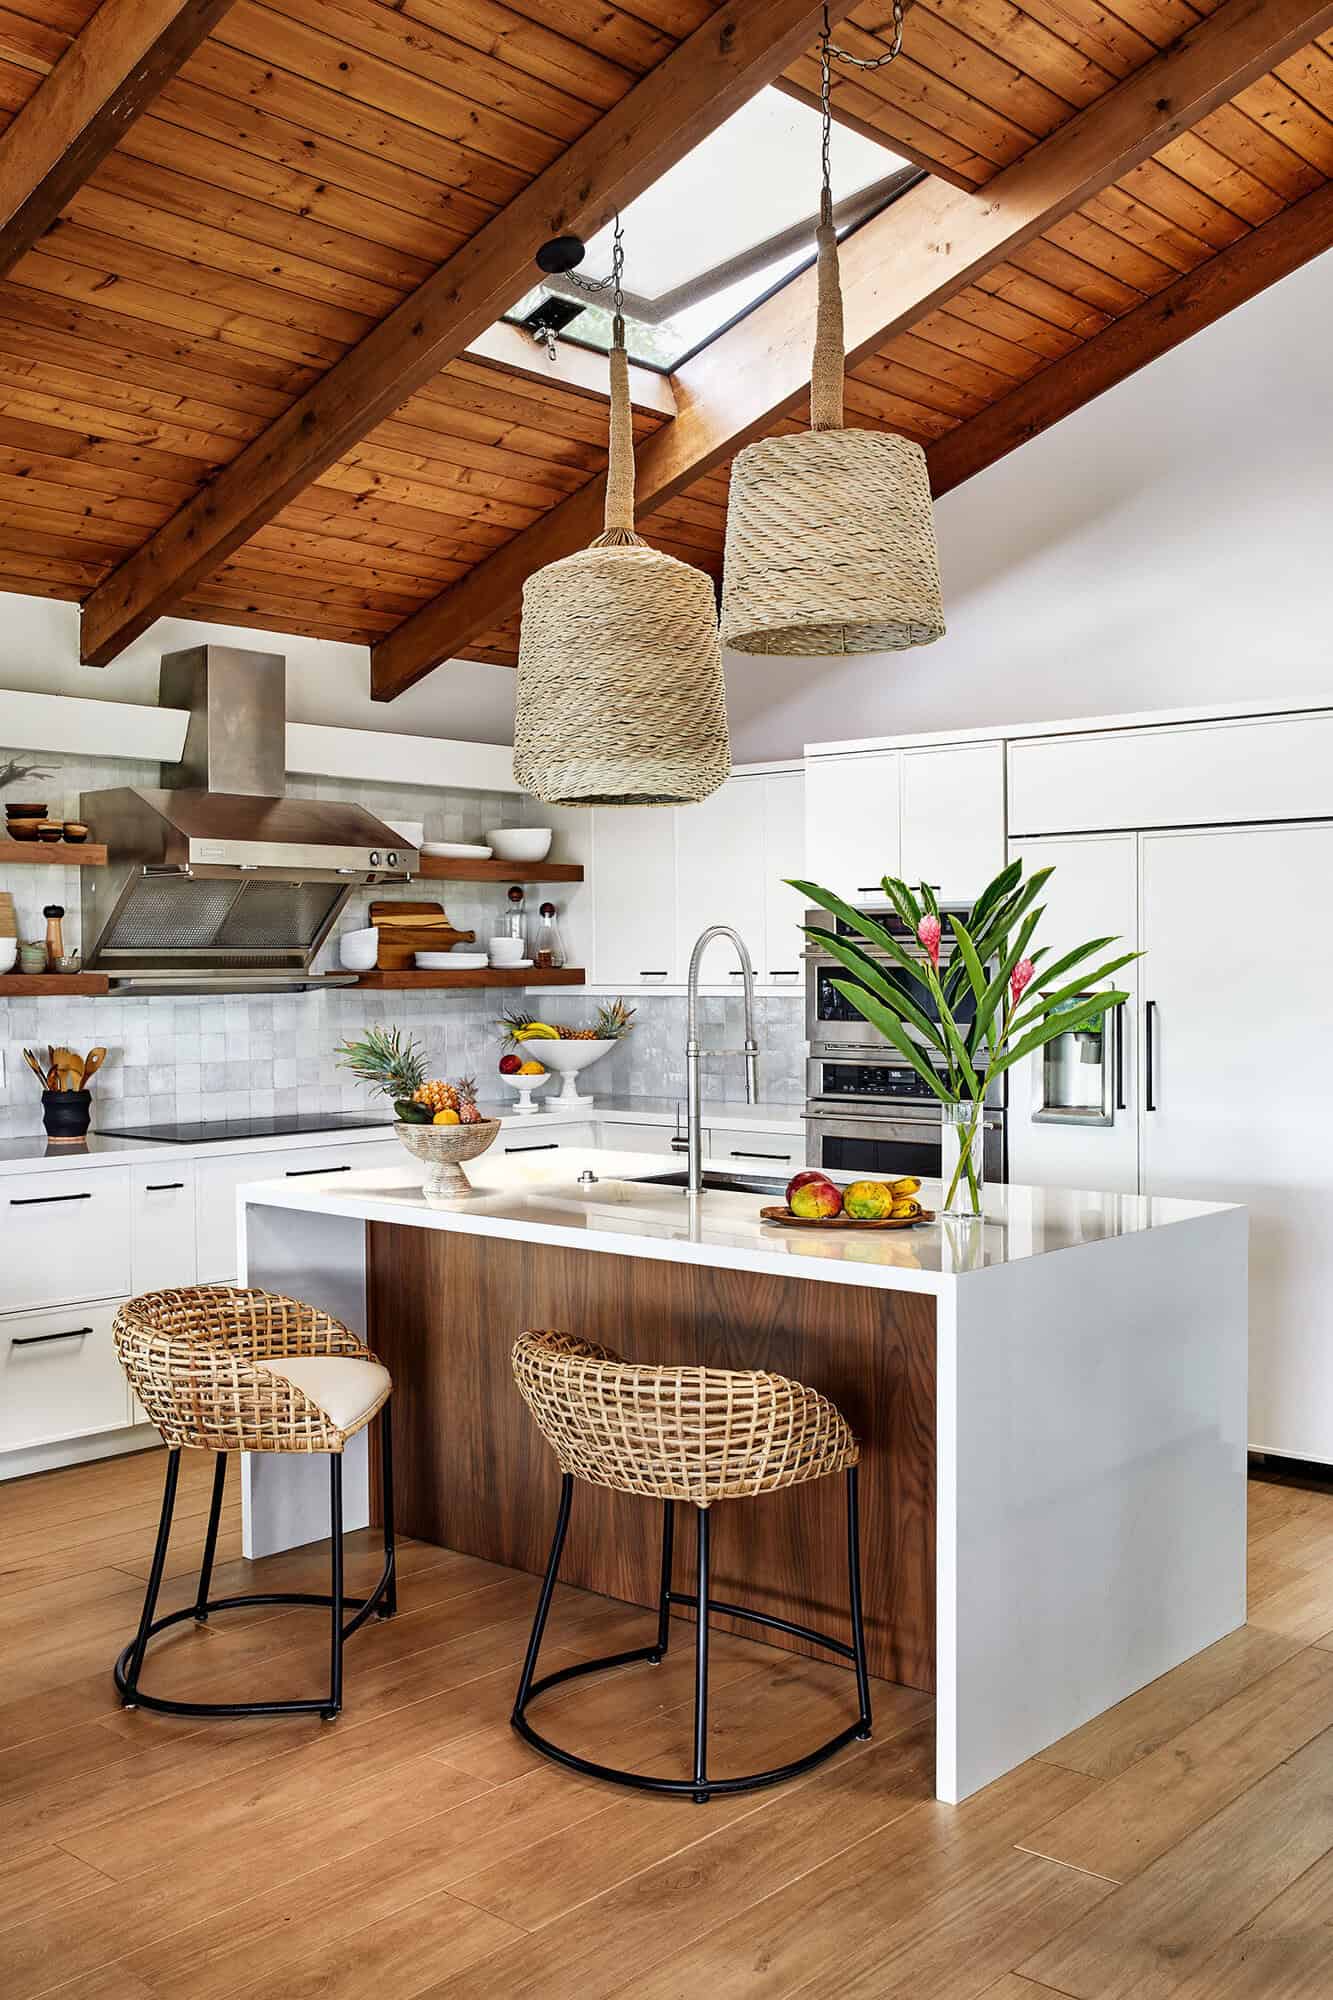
{"points": [[314, 161]]}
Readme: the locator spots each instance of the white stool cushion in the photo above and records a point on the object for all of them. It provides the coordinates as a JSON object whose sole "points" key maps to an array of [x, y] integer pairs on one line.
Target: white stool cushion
{"points": [[345, 1389]]}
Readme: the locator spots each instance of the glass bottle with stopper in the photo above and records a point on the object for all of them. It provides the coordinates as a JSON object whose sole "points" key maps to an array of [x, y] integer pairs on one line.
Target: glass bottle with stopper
{"points": [[549, 952], [516, 922]]}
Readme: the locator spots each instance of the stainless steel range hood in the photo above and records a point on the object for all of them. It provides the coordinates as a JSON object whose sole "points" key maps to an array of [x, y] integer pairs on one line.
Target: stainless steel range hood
{"points": [[216, 881]]}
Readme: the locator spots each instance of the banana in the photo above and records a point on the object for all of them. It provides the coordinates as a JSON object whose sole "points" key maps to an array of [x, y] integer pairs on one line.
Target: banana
{"points": [[904, 1208], [909, 1184], [536, 1031]]}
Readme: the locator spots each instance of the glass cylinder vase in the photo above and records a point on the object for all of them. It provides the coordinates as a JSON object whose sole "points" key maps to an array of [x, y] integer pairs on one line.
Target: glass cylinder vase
{"points": [[962, 1157]]}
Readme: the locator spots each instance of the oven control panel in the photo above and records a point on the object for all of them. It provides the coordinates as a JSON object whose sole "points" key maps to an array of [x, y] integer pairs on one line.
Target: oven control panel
{"points": [[849, 1079]]}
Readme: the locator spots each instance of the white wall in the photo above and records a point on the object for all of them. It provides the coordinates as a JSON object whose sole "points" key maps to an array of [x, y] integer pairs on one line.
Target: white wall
{"points": [[326, 682], [1169, 544]]}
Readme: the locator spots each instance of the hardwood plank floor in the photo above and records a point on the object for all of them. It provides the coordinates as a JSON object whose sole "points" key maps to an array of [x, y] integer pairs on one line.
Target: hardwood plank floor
{"points": [[1178, 1848]]}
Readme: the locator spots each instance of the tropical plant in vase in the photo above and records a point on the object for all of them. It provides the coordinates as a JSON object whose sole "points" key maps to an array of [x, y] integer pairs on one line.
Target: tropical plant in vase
{"points": [[996, 1000]]}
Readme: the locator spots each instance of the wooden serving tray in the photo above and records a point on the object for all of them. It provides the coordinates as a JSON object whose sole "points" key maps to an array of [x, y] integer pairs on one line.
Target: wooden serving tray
{"points": [[784, 1219]]}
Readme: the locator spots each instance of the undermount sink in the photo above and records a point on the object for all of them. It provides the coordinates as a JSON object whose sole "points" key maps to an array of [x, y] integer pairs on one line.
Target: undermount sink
{"points": [[722, 1183]]}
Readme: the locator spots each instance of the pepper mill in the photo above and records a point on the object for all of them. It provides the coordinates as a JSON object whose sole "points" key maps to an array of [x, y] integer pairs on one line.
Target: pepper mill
{"points": [[55, 936]]}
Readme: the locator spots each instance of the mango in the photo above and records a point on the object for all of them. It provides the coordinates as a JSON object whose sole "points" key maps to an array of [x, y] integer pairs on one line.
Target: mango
{"points": [[868, 1201], [817, 1199]]}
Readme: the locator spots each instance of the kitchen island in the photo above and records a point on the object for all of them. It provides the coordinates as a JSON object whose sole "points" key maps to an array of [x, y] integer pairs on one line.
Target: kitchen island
{"points": [[1051, 1406]]}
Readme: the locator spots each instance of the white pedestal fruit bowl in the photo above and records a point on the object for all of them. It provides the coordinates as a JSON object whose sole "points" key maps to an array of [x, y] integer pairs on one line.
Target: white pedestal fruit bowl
{"points": [[567, 1059]]}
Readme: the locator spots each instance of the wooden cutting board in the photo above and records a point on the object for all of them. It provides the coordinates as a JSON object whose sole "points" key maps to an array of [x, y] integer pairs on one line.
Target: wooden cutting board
{"points": [[8, 921], [407, 928]]}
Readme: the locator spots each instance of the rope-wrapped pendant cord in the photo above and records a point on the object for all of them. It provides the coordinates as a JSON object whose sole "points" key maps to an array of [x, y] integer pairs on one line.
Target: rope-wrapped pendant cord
{"points": [[827, 369], [619, 528], [829, 364]]}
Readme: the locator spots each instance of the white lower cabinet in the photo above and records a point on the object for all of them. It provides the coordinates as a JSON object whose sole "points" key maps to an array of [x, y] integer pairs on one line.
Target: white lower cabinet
{"points": [[546, 1139], [756, 1152], [163, 1251], [65, 1235], [626, 1138], [217, 1180], [59, 1375]]}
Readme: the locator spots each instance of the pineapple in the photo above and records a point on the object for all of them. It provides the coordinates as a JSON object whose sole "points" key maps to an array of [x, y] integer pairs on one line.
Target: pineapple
{"points": [[385, 1062], [613, 1023], [437, 1096], [468, 1114]]}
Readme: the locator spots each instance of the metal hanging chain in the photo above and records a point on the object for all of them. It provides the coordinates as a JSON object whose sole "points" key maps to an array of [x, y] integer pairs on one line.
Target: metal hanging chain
{"points": [[828, 55], [612, 282]]}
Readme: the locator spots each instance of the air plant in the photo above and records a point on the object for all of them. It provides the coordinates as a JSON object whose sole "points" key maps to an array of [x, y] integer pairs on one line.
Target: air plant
{"points": [[15, 773]]}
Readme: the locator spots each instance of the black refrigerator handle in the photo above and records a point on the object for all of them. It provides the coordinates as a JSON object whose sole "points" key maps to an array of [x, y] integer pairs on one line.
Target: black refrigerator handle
{"points": [[1119, 1028], [1150, 1078]]}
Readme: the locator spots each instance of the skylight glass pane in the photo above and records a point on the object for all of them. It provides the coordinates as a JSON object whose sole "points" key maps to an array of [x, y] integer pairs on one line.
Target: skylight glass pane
{"points": [[754, 177]]}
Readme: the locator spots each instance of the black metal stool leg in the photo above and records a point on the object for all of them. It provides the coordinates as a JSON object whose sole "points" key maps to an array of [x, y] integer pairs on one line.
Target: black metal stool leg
{"points": [[854, 1594], [547, 1590], [388, 1605], [664, 1599], [701, 1660], [211, 1540], [336, 1584], [135, 1665]]}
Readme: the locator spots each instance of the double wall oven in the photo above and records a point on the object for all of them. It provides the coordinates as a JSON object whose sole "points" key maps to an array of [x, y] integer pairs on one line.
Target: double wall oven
{"points": [[867, 1111]]}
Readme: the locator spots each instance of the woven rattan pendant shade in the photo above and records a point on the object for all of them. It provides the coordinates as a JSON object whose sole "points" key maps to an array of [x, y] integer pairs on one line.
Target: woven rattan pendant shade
{"points": [[620, 698], [830, 534]]}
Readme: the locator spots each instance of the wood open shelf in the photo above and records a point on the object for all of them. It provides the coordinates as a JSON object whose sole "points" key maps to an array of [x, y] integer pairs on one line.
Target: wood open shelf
{"points": [[54, 853], [438, 868], [535, 975], [29, 985]]}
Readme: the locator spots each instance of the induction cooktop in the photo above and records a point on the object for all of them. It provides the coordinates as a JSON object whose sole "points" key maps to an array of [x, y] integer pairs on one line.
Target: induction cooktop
{"points": [[206, 1131]]}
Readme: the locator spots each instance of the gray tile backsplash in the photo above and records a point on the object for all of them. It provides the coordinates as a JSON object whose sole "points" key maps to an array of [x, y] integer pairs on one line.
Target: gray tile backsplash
{"points": [[238, 1056]]}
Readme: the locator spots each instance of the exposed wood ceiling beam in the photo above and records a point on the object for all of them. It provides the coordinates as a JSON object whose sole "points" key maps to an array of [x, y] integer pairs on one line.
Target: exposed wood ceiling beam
{"points": [[907, 262], [1159, 324], [707, 77], [109, 74]]}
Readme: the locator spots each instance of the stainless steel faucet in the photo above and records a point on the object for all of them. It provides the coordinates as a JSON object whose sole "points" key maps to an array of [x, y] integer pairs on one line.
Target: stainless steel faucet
{"points": [[693, 1073]]}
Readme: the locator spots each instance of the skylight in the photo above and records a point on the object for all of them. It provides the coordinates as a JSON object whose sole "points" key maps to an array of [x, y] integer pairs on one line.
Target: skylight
{"points": [[695, 241]]}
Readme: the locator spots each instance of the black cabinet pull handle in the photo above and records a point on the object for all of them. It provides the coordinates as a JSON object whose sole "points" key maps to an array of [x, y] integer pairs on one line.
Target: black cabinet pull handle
{"points": [[651, 973], [734, 1155], [784, 972], [550, 1146], [1149, 1025], [40, 1339], [161, 1187], [299, 1173], [41, 1200], [1120, 1057]]}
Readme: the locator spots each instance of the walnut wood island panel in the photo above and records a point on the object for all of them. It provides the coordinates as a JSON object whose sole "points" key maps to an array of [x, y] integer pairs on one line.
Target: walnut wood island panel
{"points": [[473, 1473], [1051, 1404]]}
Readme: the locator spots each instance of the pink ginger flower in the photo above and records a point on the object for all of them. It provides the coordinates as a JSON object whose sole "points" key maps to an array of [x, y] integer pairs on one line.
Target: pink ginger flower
{"points": [[928, 932], [1020, 978]]}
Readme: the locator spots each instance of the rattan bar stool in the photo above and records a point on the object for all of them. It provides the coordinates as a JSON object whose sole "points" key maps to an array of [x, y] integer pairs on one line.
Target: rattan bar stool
{"points": [[697, 1434], [221, 1369]]}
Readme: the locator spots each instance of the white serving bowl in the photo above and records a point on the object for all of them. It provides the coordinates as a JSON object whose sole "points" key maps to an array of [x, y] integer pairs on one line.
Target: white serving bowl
{"points": [[525, 1085], [567, 1059], [520, 843], [358, 951], [505, 950], [9, 951], [455, 850]]}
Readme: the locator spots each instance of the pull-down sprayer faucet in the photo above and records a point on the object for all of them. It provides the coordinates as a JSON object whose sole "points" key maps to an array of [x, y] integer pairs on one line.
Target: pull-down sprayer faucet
{"points": [[693, 1051]]}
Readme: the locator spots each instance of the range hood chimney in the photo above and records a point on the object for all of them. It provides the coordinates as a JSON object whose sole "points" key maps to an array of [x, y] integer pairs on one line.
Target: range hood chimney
{"points": [[216, 880]]}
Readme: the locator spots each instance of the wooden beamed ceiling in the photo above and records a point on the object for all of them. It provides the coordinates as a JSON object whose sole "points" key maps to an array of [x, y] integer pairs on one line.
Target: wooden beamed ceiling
{"points": [[247, 263]]}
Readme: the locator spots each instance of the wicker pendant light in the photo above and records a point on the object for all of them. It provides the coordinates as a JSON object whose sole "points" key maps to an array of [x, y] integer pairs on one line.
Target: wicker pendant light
{"points": [[620, 698], [830, 534]]}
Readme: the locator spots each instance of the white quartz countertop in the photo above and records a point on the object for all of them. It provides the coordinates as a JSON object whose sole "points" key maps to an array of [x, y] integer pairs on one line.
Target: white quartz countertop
{"points": [[543, 1200]]}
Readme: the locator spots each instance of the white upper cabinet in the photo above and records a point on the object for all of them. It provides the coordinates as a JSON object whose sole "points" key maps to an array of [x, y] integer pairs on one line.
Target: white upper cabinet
{"points": [[784, 860], [1194, 774], [953, 833], [633, 869], [720, 874], [851, 822]]}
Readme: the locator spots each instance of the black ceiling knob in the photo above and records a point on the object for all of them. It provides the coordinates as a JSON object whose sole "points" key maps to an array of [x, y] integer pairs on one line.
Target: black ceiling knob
{"points": [[561, 253]]}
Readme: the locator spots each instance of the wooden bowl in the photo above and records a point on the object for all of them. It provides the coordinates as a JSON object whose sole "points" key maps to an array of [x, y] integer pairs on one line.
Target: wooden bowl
{"points": [[16, 809], [51, 829], [75, 832], [22, 829]]}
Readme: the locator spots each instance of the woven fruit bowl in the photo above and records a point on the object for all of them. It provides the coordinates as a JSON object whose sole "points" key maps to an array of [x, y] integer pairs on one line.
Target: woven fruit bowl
{"points": [[443, 1148]]}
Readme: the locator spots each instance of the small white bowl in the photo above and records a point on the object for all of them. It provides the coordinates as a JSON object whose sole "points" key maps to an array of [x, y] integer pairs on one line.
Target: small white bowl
{"points": [[358, 951], [521, 843], [9, 951], [505, 950]]}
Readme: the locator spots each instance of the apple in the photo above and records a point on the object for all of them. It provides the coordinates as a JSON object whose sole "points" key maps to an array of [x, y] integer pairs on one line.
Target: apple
{"points": [[510, 1065], [799, 1180], [818, 1199]]}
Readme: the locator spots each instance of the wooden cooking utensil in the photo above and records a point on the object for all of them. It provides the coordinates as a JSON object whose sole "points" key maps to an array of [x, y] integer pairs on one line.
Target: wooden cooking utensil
{"points": [[30, 1057], [96, 1057], [8, 921]]}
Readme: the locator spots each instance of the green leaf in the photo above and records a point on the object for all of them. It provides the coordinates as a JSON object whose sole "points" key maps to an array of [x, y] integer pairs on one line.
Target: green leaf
{"points": [[873, 975], [928, 898], [1059, 1024], [994, 893], [1050, 973], [958, 1050], [881, 939], [893, 1031], [904, 902], [975, 970], [1049, 1002]]}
